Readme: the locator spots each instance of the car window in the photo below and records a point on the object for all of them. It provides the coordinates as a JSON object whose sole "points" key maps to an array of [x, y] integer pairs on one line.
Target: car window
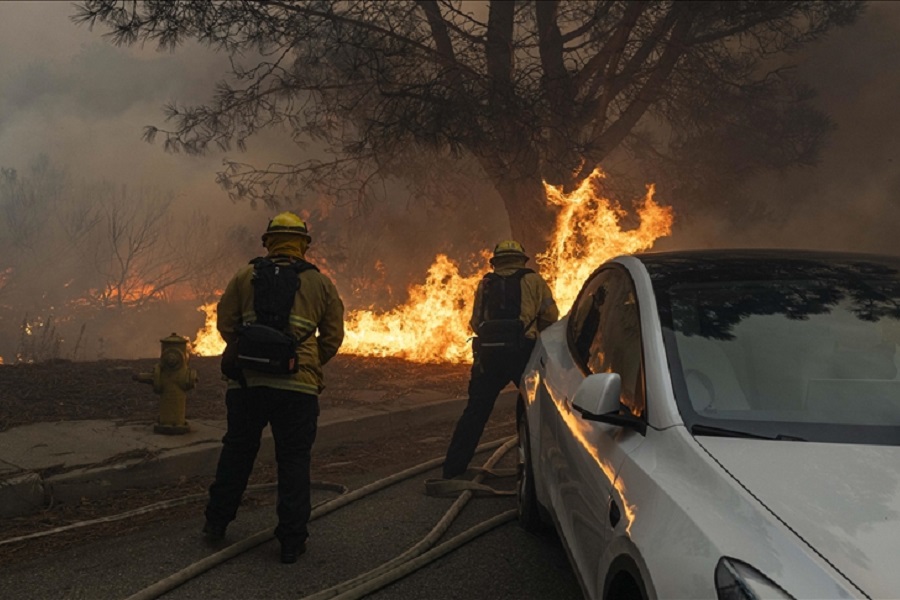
{"points": [[616, 347], [605, 333], [804, 351], [835, 363], [585, 316]]}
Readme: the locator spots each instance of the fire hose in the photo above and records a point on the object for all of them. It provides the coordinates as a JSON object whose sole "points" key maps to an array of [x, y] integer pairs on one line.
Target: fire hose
{"points": [[414, 558], [407, 562], [366, 583], [172, 503], [400, 567]]}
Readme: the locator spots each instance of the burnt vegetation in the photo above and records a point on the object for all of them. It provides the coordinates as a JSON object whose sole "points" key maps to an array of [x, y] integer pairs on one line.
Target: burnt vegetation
{"points": [[86, 267], [104, 389]]}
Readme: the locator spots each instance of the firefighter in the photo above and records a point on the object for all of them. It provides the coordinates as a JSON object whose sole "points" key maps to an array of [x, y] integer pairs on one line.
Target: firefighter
{"points": [[512, 304], [288, 402]]}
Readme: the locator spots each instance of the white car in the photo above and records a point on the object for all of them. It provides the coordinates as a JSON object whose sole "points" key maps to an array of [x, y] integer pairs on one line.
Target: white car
{"points": [[721, 424]]}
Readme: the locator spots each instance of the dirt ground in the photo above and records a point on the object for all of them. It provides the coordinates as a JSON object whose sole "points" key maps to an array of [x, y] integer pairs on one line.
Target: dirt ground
{"points": [[67, 391], [105, 390]]}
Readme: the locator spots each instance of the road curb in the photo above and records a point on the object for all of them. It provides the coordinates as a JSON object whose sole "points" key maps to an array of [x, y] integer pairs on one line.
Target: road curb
{"points": [[29, 492], [22, 494]]}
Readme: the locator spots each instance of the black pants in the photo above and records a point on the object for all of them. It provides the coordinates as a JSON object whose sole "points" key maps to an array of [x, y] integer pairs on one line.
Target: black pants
{"points": [[293, 417], [485, 384]]}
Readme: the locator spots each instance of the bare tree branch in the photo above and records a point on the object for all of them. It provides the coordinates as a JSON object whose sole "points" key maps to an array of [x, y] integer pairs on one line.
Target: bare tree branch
{"points": [[533, 90]]}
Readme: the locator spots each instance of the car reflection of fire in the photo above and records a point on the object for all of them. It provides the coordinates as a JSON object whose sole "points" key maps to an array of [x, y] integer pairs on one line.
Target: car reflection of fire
{"points": [[580, 431], [433, 324], [530, 383]]}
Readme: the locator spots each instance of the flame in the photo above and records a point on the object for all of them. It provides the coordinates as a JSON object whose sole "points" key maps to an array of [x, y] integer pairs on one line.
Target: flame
{"points": [[208, 342], [588, 233], [433, 324]]}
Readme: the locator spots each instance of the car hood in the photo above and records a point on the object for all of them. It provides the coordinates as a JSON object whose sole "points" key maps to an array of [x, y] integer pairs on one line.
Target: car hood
{"points": [[842, 499]]}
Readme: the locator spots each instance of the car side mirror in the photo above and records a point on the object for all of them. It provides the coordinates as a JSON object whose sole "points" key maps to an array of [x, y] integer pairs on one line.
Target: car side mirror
{"points": [[598, 398]]}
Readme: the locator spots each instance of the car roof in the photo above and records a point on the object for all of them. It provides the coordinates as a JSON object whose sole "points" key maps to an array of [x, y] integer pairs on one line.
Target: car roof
{"points": [[765, 264]]}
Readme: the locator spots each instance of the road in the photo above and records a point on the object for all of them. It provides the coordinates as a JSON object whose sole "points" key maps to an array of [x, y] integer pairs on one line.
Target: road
{"points": [[504, 563]]}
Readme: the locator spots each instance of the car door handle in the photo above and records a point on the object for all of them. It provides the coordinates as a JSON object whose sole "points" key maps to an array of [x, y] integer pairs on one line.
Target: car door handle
{"points": [[614, 513]]}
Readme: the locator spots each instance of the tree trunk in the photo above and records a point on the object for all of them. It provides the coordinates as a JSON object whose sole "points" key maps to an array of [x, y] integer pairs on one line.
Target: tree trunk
{"points": [[531, 219]]}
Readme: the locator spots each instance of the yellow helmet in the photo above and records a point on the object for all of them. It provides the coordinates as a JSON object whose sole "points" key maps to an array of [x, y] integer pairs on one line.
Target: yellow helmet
{"points": [[509, 248], [287, 222]]}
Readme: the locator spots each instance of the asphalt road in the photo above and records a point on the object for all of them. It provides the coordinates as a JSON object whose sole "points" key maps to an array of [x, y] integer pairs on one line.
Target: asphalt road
{"points": [[504, 563]]}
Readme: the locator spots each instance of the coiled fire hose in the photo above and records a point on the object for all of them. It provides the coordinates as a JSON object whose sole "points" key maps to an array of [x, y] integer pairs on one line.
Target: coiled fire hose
{"points": [[395, 569], [379, 579], [262, 487], [402, 565]]}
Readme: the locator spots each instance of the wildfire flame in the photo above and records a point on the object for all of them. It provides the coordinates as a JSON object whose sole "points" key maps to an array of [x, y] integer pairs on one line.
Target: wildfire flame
{"points": [[208, 341], [433, 325], [588, 233]]}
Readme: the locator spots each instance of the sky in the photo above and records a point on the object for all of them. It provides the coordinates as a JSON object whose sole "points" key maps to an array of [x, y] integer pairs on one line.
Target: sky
{"points": [[851, 199], [67, 92]]}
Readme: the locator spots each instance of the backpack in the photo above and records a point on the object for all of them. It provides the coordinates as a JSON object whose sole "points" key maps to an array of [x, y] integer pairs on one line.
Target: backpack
{"points": [[501, 333], [267, 345]]}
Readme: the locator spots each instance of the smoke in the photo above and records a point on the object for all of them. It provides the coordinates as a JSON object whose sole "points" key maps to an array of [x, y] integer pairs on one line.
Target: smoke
{"points": [[68, 94], [850, 200], [84, 107], [72, 111]]}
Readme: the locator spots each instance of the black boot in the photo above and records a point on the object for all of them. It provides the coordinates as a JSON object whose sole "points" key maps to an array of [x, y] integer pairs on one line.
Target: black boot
{"points": [[213, 533], [290, 552]]}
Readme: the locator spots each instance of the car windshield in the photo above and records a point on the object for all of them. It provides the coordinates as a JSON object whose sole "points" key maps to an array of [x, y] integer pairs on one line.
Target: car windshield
{"points": [[799, 353]]}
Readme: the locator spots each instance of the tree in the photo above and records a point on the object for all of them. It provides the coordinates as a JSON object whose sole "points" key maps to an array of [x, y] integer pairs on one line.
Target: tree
{"points": [[531, 90], [97, 259], [29, 202]]}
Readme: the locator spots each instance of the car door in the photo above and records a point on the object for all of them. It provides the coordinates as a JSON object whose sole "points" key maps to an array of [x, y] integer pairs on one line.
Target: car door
{"points": [[563, 374], [604, 338]]}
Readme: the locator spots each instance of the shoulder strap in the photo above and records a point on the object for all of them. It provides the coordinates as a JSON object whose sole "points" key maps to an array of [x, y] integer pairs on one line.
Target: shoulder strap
{"points": [[300, 265], [519, 275]]}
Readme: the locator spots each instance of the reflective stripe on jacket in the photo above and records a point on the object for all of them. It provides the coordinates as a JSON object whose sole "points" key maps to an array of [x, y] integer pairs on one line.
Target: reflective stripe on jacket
{"points": [[317, 307]]}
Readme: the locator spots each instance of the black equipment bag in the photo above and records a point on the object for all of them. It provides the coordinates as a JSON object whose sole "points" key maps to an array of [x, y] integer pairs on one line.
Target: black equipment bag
{"points": [[267, 345], [264, 348], [501, 333]]}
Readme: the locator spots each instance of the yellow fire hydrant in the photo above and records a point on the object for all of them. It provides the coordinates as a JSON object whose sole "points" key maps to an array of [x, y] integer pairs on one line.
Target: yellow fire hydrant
{"points": [[171, 378]]}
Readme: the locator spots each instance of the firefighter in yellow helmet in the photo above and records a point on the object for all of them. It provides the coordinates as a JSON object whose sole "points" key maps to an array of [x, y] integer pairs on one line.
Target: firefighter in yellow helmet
{"points": [[512, 304], [277, 299]]}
